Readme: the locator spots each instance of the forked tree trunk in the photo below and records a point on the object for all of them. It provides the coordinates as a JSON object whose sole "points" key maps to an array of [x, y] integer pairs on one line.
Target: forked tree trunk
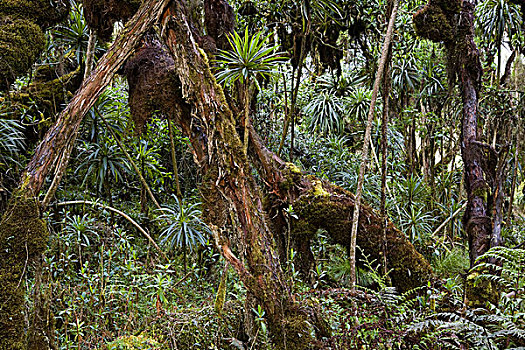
{"points": [[23, 235], [232, 200]]}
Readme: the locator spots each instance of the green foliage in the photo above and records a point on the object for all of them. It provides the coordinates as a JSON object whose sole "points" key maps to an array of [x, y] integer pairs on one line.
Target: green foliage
{"points": [[452, 263], [507, 270], [11, 142], [71, 38], [108, 284], [359, 105], [496, 18], [21, 42], [131, 342], [103, 162], [249, 58], [325, 113], [182, 225]]}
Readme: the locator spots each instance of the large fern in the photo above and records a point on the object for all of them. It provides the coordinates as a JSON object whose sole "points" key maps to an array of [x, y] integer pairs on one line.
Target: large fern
{"points": [[499, 326]]}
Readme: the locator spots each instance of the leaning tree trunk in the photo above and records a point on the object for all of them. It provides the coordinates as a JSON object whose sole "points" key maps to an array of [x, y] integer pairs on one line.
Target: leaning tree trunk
{"points": [[23, 234], [322, 205], [452, 22], [232, 200]]}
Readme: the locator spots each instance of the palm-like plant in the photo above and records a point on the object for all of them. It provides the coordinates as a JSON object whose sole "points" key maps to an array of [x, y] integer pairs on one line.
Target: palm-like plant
{"points": [[417, 223], [496, 18], [102, 162], [11, 141], [249, 59], [73, 36], [182, 226], [148, 158], [325, 111], [326, 107], [359, 103], [405, 75], [79, 230]]}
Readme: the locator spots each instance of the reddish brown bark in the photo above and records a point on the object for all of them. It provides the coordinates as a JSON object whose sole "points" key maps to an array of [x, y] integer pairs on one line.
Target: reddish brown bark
{"points": [[452, 22], [477, 219], [233, 202], [69, 120]]}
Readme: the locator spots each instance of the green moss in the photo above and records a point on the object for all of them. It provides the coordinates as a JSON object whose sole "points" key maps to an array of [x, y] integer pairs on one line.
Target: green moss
{"points": [[21, 42], [294, 169], [432, 23], [481, 192], [44, 13], [23, 238], [131, 342], [220, 298], [298, 331], [479, 291], [291, 176], [449, 6], [332, 211], [318, 190], [44, 98], [50, 95]]}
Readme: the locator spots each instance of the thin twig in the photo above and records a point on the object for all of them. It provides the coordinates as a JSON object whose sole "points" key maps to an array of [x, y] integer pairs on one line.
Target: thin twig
{"points": [[447, 220], [124, 215], [366, 143]]}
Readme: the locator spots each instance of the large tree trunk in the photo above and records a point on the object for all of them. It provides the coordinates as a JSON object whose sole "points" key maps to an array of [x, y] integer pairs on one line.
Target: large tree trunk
{"points": [[483, 165], [322, 205], [233, 201], [23, 234], [233, 204]]}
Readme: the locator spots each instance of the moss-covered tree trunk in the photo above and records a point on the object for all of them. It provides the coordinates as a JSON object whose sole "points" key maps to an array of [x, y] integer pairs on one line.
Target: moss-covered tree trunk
{"points": [[323, 205], [23, 235], [452, 22], [232, 200]]}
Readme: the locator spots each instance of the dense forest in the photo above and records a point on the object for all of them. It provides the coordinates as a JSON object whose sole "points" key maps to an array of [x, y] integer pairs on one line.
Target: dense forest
{"points": [[236, 174]]}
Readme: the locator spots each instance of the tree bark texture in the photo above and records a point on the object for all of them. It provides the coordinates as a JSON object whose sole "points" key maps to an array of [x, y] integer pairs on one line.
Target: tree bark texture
{"points": [[452, 22], [23, 235], [232, 200]]}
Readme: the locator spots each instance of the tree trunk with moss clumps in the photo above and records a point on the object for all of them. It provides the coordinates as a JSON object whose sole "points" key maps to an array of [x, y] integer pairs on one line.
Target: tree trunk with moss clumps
{"points": [[452, 22], [232, 200], [233, 203], [320, 204], [23, 238]]}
